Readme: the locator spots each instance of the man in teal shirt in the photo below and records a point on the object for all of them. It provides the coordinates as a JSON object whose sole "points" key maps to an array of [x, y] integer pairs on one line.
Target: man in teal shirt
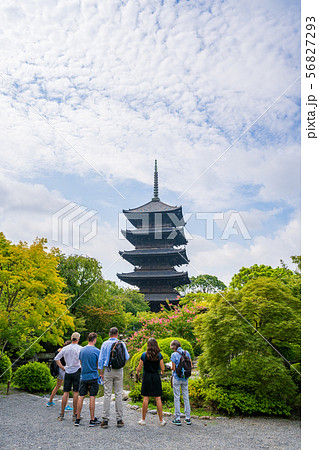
{"points": [[89, 356]]}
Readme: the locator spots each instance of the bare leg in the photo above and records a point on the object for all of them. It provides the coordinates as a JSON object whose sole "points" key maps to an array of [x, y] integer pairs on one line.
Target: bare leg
{"points": [[55, 390], [75, 400], [92, 407], [159, 407], [144, 407], [64, 401], [79, 406]]}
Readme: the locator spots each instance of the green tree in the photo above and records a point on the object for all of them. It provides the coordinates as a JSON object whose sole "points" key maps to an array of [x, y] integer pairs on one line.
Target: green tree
{"points": [[292, 279], [32, 303], [202, 283], [104, 309], [81, 275], [97, 304], [236, 320], [133, 302]]}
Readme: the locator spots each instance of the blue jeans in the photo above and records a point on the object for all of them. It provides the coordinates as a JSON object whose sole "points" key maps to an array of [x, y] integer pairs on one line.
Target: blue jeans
{"points": [[177, 386]]}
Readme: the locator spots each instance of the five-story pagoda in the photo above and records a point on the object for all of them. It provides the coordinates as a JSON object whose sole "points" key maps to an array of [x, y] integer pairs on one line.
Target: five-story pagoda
{"points": [[159, 241]]}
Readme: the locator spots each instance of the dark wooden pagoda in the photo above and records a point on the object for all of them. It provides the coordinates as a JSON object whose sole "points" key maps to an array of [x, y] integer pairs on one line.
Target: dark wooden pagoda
{"points": [[159, 241]]}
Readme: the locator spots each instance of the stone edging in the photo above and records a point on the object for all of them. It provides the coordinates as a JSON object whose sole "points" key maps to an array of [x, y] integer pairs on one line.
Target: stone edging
{"points": [[168, 414]]}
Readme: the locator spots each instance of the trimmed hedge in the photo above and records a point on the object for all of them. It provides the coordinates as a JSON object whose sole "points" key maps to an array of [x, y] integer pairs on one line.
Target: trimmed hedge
{"points": [[33, 377], [136, 358], [167, 392], [164, 345]]}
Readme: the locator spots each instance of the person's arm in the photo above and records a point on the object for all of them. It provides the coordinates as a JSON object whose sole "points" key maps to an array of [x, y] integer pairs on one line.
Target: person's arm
{"points": [[57, 359], [139, 367], [101, 360], [162, 366], [173, 366], [60, 364]]}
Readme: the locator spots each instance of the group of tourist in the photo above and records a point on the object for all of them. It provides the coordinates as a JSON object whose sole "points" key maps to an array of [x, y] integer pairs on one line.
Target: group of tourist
{"points": [[82, 369]]}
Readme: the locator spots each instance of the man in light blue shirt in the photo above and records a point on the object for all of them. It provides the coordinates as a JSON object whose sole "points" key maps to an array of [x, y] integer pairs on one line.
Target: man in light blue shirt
{"points": [[179, 384], [112, 377]]}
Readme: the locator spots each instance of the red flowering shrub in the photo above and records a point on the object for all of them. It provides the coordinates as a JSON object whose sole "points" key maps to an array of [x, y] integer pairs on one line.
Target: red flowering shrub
{"points": [[177, 321]]}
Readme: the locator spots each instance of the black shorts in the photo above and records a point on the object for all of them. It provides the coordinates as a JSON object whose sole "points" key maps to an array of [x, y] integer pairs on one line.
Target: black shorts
{"points": [[72, 379], [89, 385]]}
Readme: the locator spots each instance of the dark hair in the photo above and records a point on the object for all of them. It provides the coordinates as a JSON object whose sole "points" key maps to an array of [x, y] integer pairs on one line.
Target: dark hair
{"points": [[92, 336], [66, 343], [152, 350], [113, 331], [175, 344]]}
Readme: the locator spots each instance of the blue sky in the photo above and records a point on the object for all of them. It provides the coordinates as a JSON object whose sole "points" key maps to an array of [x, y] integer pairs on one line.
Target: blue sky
{"points": [[92, 92]]}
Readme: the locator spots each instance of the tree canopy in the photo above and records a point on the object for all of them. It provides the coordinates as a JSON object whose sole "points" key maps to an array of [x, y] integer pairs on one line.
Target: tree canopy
{"points": [[234, 320], [202, 283], [32, 302], [97, 304]]}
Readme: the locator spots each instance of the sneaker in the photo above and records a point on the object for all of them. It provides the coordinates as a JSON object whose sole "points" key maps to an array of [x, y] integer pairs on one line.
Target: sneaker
{"points": [[162, 422], [94, 422], [120, 423], [188, 421], [68, 408], [74, 417], [176, 422], [50, 404], [61, 417], [142, 422], [105, 424], [77, 422]]}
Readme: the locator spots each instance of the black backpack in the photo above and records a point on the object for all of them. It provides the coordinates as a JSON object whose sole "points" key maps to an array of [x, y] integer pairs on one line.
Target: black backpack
{"points": [[117, 357], [54, 369], [184, 368]]}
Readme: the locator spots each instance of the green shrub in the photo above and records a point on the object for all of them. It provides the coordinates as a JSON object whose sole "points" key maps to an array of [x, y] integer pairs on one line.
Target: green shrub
{"points": [[164, 345], [167, 392], [5, 369], [135, 394], [33, 377], [203, 392], [136, 358], [263, 375]]}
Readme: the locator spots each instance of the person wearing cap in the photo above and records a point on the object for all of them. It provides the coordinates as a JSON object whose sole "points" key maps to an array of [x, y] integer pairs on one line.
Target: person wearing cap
{"points": [[72, 369]]}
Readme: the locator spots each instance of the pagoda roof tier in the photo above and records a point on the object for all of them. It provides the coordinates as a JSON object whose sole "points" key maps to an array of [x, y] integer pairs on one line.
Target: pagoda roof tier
{"points": [[157, 235], [150, 277], [171, 256], [155, 212], [153, 206]]}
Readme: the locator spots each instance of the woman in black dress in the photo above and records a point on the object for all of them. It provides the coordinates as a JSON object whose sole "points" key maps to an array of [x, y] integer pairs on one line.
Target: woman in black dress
{"points": [[152, 362]]}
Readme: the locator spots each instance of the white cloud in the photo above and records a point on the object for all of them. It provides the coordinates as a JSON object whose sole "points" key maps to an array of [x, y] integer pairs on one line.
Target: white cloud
{"points": [[224, 259], [112, 85]]}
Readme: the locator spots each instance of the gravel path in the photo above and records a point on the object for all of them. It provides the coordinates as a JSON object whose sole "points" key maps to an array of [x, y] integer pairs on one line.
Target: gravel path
{"points": [[26, 422]]}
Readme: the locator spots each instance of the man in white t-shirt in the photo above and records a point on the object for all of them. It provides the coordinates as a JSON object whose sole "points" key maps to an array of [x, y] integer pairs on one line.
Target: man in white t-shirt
{"points": [[72, 372]]}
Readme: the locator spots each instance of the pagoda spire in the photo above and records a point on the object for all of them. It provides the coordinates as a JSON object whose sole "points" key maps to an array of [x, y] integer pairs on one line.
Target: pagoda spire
{"points": [[156, 197]]}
